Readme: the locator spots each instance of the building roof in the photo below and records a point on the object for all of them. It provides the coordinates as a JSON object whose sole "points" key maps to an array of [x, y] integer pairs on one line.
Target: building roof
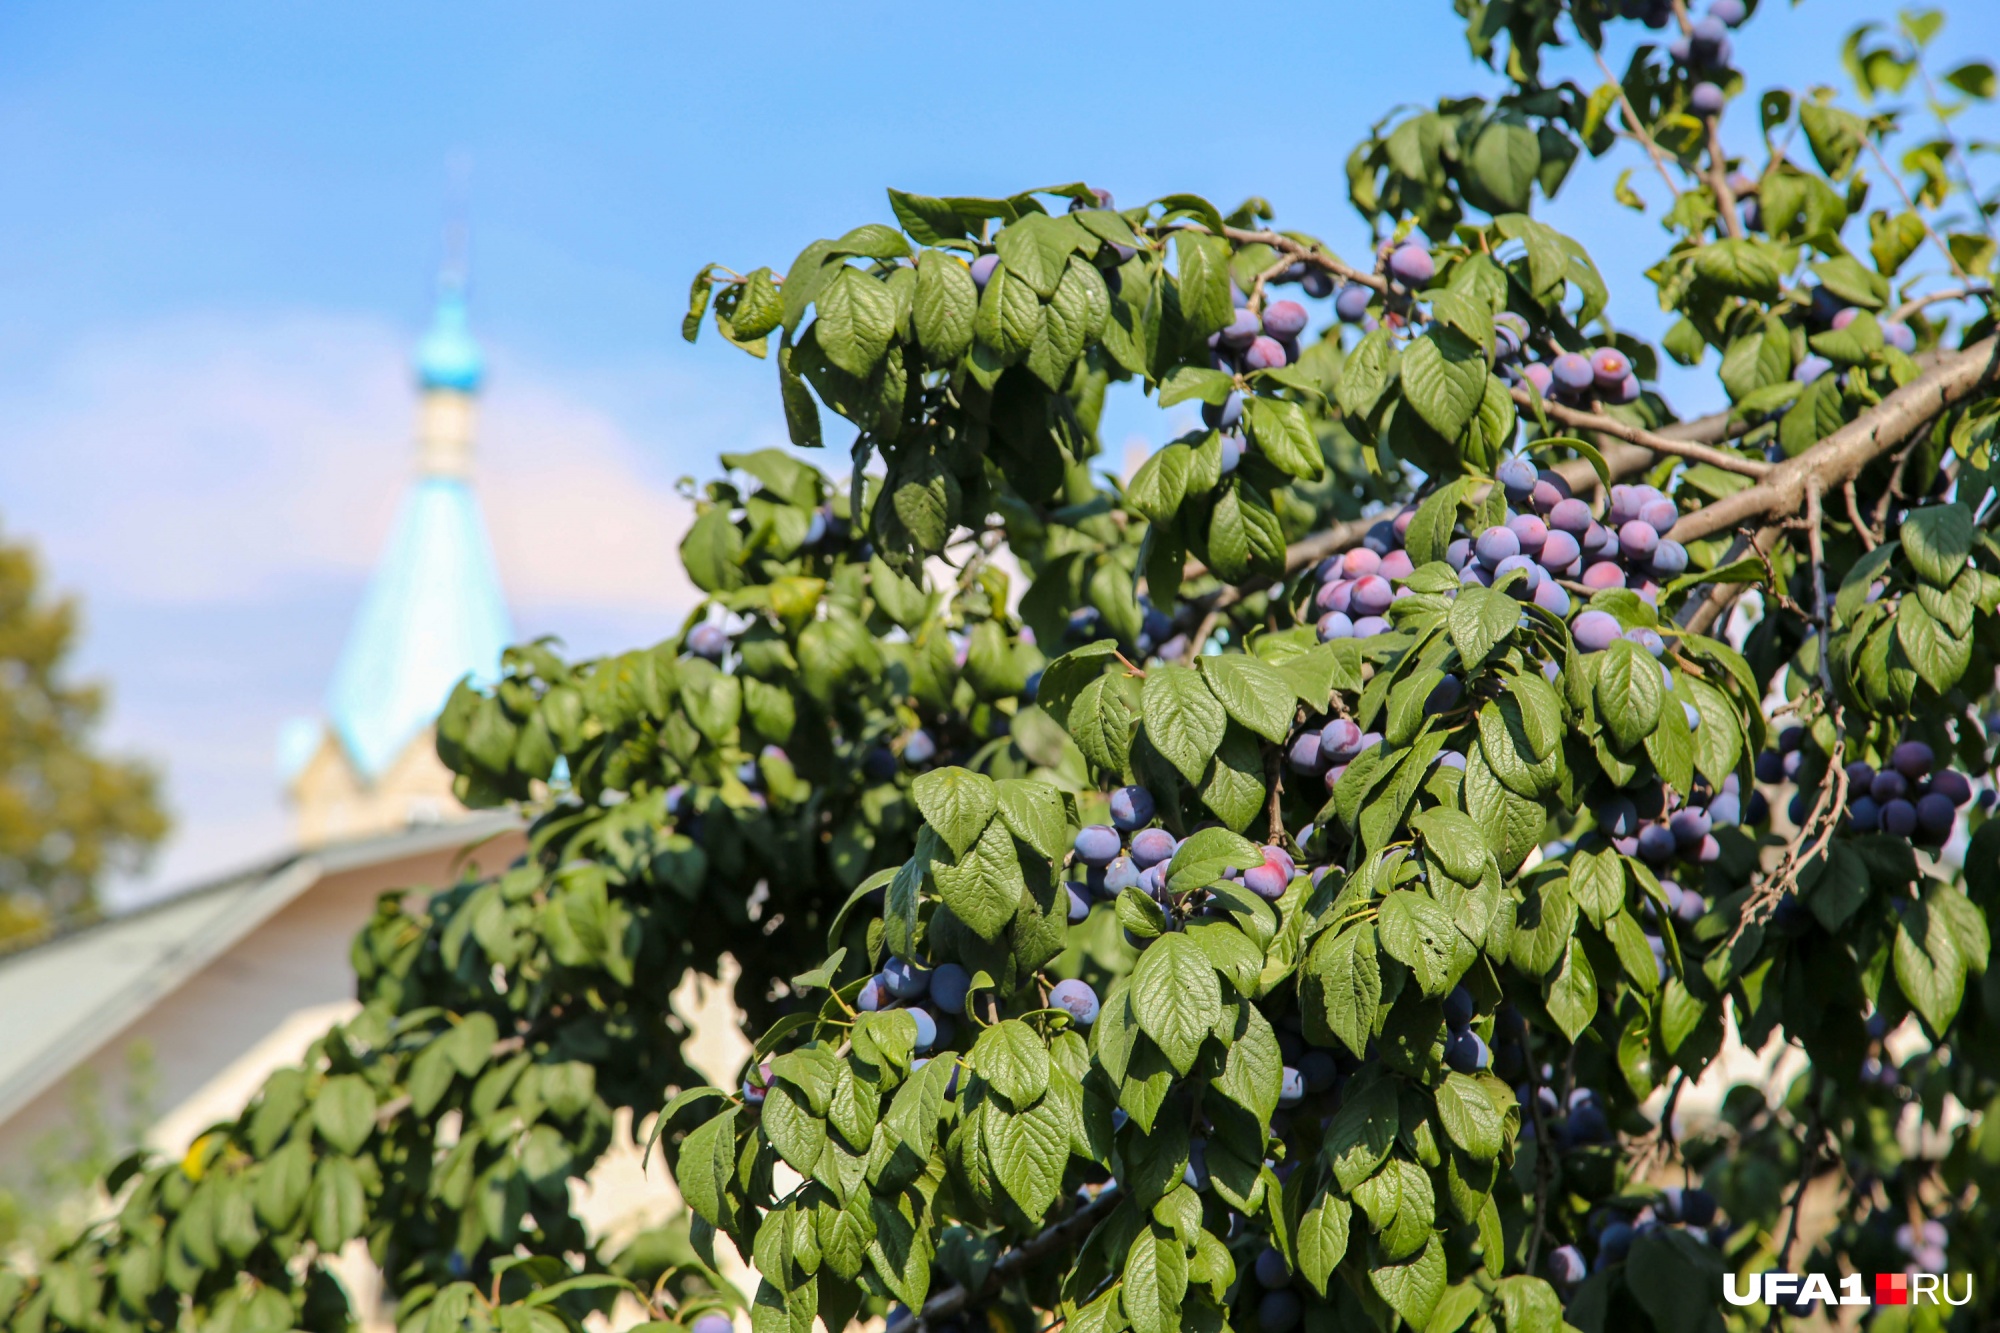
{"points": [[433, 614], [65, 998]]}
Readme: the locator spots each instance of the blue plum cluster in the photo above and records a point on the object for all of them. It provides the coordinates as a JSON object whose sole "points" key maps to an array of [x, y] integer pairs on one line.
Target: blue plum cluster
{"points": [[1829, 312], [1157, 635], [1706, 48], [1908, 797], [1604, 375], [1691, 1210], [1253, 341], [1130, 854]]}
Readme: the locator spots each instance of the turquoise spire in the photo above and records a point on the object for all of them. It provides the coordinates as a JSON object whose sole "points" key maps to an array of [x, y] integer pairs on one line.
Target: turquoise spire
{"points": [[434, 611], [448, 357]]}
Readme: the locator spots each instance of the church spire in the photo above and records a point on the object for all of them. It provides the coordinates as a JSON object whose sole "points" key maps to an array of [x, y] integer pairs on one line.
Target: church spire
{"points": [[433, 613]]}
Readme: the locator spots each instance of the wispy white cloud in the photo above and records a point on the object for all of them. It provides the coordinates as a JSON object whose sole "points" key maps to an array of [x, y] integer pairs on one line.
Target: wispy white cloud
{"points": [[214, 459], [217, 488]]}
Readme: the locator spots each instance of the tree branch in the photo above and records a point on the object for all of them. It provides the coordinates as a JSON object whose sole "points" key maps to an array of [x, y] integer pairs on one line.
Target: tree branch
{"points": [[1699, 616], [1928, 299], [1848, 450], [1659, 443], [955, 1297]]}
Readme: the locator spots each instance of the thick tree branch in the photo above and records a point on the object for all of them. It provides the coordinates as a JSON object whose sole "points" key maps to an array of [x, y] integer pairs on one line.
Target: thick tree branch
{"points": [[1848, 450]]}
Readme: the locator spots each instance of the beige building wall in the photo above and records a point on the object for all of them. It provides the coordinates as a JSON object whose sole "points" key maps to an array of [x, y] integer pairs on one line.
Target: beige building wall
{"points": [[214, 1038]]}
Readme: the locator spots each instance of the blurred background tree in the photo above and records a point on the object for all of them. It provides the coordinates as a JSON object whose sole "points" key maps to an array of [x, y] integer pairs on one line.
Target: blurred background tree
{"points": [[69, 815]]}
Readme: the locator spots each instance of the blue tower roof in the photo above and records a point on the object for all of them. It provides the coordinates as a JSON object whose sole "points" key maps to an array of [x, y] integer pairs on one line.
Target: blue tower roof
{"points": [[433, 613], [449, 357]]}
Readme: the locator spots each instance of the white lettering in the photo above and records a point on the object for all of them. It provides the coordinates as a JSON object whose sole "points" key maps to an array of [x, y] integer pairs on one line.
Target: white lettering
{"points": [[1921, 1285], [1947, 1290], [1750, 1297], [1817, 1288], [1778, 1287], [1851, 1292]]}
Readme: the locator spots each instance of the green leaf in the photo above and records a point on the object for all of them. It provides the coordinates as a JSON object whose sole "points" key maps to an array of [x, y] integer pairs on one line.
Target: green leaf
{"points": [[1071, 321], [1101, 723], [1322, 1236], [282, 1184], [338, 1206], [1431, 528], [1505, 158], [1847, 278], [1233, 786], [1367, 374], [759, 308], [1444, 378], [1176, 997], [1028, 1150], [1674, 1278], [1503, 740], [1480, 620], [1197, 382], [1206, 854], [1156, 1280], [1470, 1116], [872, 240], [1011, 1057], [1160, 485], [1035, 813], [1937, 539], [984, 889], [1412, 1288], [1253, 1075], [1940, 656], [930, 221], [857, 317], [1009, 316], [1629, 692], [1203, 271], [947, 302], [344, 1112], [1344, 987], [1419, 934], [1036, 249], [1455, 840], [1572, 993], [957, 803], [1740, 268], [1252, 692], [1855, 343], [1184, 720], [705, 1165], [1244, 535], [1279, 429], [1363, 1130], [1597, 883], [1930, 970], [1531, 1305]]}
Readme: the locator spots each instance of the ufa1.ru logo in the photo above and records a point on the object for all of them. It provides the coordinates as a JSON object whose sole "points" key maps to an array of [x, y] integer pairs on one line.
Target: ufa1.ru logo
{"points": [[1795, 1290]]}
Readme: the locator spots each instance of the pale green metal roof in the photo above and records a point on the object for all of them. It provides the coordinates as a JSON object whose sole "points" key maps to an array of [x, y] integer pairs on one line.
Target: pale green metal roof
{"points": [[64, 999]]}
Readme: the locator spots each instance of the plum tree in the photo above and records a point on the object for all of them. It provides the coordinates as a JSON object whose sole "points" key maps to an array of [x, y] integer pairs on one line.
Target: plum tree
{"points": [[1346, 840]]}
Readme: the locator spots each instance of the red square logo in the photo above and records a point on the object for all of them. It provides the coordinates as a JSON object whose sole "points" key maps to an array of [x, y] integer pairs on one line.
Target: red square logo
{"points": [[1892, 1288]]}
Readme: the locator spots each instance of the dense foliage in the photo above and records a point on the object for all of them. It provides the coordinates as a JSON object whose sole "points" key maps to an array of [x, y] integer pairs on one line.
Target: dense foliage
{"points": [[1308, 899], [70, 816]]}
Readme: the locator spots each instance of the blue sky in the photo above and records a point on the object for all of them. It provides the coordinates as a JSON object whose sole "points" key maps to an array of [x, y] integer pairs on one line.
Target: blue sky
{"points": [[222, 223]]}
